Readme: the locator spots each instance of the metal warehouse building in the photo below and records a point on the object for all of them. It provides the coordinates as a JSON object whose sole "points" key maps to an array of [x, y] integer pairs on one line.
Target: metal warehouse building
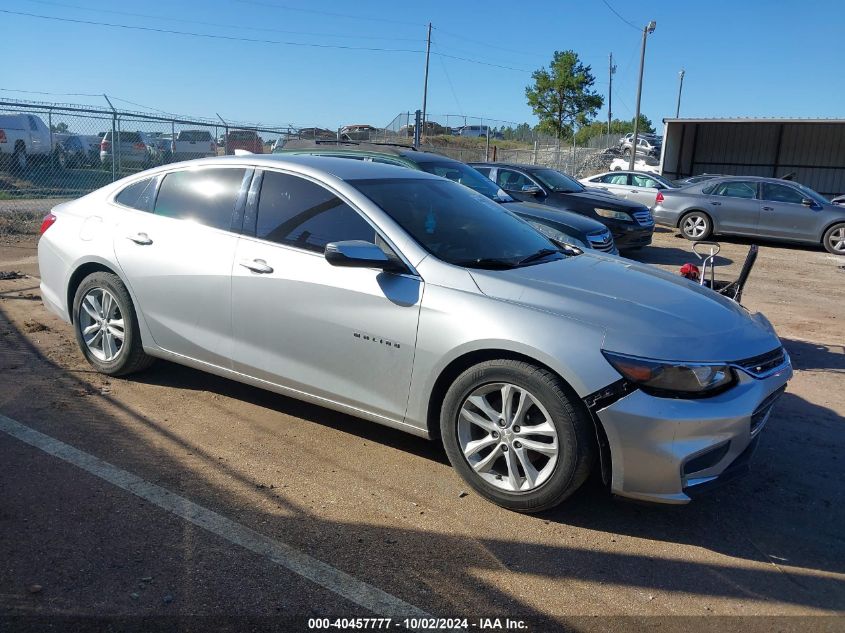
{"points": [[811, 149]]}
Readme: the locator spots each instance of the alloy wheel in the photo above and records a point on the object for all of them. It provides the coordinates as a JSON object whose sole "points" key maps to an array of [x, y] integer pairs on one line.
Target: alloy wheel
{"points": [[101, 323], [507, 437], [695, 226], [837, 240]]}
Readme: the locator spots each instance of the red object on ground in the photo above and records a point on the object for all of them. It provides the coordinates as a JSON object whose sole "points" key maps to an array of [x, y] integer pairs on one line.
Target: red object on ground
{"points": [[690, 271]]}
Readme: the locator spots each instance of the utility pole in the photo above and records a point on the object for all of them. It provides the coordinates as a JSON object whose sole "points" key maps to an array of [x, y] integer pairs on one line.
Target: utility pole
{"points": [[611, 71], [425, 82], [649, 28], [680, 89]]}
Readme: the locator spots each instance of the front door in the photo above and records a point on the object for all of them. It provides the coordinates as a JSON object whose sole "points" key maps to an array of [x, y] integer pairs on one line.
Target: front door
{"points": [[783, 214], [178, 261], [344, 334], [515, 184]]}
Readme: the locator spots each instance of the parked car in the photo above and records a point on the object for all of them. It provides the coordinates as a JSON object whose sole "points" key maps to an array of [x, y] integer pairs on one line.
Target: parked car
{"points": [[565, 227], [642, 163], [638, 186], [246, 140], [753, 206], [134, 149], [191, 144], [630, 222], [473, 131], [23, 137], [691, 180], [78, 150], [531, 363], [360, 132]]}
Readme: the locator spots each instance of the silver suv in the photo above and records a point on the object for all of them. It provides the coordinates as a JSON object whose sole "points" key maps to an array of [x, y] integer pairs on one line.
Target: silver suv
{"points": [[412, 301]]}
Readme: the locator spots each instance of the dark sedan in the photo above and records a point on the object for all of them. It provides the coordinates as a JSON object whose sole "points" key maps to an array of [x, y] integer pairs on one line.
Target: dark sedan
{"points": [[630, 223]]}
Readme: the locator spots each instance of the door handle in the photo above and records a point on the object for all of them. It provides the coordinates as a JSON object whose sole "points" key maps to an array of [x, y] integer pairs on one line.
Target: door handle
{"points": [[715, 203], [141, 239], [768, 208], [635, 190], [256, 266]]}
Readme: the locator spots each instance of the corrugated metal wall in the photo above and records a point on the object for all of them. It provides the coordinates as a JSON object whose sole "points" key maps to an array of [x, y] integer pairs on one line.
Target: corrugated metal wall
{"points": [[815, 152]]}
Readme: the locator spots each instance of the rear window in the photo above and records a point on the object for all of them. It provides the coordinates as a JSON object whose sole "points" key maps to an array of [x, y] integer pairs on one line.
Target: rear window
{"points": [[139, 195], [242, 136], [194, 135], [125, 137], [205, 196]]}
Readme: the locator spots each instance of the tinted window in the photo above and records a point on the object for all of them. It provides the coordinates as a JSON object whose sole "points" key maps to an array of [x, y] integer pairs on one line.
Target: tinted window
{"points": [[736, 189], [462, 174], [295, 211], [139, 195], [206, 196], [512, 181], [194, 135], [557, 181], [780, 193], [484, 171], [243, 136], [456, 224]]}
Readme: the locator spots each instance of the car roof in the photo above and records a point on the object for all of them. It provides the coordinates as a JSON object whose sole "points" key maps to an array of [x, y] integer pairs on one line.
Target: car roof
{"points": [[298, 146], [342, 168], [522, 166]]}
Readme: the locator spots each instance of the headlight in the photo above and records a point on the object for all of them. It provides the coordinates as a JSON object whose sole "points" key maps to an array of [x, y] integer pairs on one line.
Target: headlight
{"points": [[671, 378], [613, 215]]}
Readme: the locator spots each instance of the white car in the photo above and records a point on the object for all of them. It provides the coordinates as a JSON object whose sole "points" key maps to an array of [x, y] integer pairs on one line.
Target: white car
{"points": [[23, 136], [618, 164], [637, 186], [190, 144]]}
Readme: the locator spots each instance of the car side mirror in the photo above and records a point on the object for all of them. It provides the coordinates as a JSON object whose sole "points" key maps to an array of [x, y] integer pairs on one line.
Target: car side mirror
{"points": [[360, 254], [531, 190], [807, 202]]}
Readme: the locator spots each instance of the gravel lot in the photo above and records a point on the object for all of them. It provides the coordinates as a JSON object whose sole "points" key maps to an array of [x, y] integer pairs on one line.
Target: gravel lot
{"points": [[386, 508]]}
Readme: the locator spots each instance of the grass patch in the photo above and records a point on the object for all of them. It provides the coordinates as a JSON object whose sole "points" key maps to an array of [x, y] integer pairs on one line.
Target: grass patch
{"points": [[20, 222]]}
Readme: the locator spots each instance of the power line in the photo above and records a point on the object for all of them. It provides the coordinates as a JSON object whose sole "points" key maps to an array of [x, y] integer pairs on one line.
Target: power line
{"points": [[53, 94], [273, 5], [231, 38], [451, 87], [477, 61], [616, 13], [226, 26]]}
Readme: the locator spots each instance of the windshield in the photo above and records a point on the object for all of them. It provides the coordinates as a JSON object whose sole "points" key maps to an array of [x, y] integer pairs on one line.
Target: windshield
{"points": [[467, 176], [457, 225], [557, 181]]}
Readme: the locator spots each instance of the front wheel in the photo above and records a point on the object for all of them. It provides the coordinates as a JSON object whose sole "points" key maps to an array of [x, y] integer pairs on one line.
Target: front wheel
{"points": [[107, 327], [696, 226], [834, 239], [514, 434]]}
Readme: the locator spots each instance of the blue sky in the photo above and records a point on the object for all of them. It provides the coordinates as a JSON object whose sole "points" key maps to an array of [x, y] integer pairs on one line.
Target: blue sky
{"points": [[746, 58]]}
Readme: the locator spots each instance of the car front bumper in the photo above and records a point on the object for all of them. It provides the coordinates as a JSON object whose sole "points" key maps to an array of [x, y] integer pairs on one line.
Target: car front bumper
{"points": [[627, 235], [666, 450]]}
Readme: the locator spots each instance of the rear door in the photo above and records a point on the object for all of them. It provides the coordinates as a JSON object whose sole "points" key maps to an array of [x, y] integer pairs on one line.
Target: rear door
{"points": [[616, 183], [783, 215], [643, 190], [344, 334], [734, 206], [178, 260]]}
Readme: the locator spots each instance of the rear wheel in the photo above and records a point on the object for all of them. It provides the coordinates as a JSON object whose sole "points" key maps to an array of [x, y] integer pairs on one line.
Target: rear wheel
{"points": [[834, 239], [107, 327], [19, 159], [514, 433], [696, 226]]}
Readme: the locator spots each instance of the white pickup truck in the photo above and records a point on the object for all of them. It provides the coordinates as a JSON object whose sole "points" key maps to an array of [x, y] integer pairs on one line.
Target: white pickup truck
{"points": [[22, 138], [193, 144]]}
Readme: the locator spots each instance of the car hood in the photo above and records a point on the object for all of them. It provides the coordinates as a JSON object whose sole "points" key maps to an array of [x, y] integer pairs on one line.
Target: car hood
{"points": [[643, 310], [591, 198], [576, 221]]}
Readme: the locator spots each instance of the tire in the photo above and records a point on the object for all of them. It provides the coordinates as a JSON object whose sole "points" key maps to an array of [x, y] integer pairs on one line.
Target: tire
{"points": [[128, 354], [834, 239], [60, 159], [696, 226], [497, 449]]}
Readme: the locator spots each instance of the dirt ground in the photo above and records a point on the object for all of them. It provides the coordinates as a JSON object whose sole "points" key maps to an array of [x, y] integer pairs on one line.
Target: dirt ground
{"points": [[386, 508]]}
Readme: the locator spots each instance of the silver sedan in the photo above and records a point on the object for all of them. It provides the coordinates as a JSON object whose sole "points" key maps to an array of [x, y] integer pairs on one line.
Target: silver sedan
{"points": [[412, 301], [753, 206]]}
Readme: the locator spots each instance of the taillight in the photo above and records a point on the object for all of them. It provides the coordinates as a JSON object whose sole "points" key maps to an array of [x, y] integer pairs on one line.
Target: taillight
{"points": [[105, 146], [140, 146], [2, 136], [659, 198], [47, 222]]}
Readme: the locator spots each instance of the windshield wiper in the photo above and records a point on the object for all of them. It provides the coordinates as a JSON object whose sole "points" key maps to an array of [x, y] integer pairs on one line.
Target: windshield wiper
{"points": [[541, 254], [489, 263]]}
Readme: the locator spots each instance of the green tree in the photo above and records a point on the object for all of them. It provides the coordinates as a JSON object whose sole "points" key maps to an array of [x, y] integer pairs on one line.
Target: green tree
{"points": [[59, 128], [562, 97]]}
